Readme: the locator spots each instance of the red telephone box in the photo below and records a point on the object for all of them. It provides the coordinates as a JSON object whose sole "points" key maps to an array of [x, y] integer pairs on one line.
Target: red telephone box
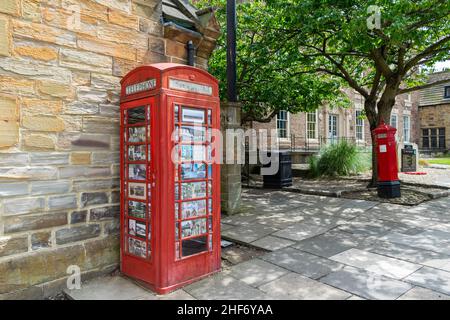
{"points": [[170, 187], [388, 182]]}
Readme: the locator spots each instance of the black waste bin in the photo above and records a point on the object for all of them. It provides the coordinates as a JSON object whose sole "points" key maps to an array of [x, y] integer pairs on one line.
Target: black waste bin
{"points": [[283, 177]]}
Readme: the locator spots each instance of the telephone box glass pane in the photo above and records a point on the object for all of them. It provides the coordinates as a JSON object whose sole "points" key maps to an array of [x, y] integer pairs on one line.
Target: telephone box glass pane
{"points": [[132, 227], [193, 209], [193, 246], [136, 153], [136, 134], [193, 134], [137, 190], [137, 247], [192, 115], [192, 190], [137, 209], [191, 171], [192, 152], [177, 192], [136, 115], [190, 228], [141, 229], [137, 172]]}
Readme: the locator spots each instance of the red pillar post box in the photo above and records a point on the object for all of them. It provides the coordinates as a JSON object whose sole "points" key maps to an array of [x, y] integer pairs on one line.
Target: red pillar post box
{"points": [[170, 187], [388, 183]]}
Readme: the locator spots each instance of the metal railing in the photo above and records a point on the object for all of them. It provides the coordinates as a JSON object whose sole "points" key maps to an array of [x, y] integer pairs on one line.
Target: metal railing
{"points": [[301, 143]]}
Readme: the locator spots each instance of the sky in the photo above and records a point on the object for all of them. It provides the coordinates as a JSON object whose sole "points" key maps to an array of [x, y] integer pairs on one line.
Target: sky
{"points": [[442, 65]]}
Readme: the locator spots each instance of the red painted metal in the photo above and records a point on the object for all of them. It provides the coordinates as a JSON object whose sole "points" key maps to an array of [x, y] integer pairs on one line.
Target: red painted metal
{"points": [[151, 256], [386, 153], [415, 173]]}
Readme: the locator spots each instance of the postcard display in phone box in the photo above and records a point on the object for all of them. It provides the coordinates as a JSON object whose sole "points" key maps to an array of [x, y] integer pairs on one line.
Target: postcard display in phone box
{"points": [[170, 187]]}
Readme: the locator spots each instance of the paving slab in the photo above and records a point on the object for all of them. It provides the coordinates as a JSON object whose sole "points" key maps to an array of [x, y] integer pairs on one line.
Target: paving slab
{"points": [[325, 220], [109, 288], [430, 278], [176, 295], [328, 244], [224, 226], [293, 286], [411, 254], [303, 263], [418, 293], [238, 219], [376, 263], [366, 227], [279, 220], [223, 287], [366, 284], [248, 233], [432, 240], [256, 272], [272, 243], [301, 231], [356, 298]]}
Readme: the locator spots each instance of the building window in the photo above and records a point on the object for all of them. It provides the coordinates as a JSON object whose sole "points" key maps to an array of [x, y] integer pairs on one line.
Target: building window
{"points": [[311, 125], [359, 125], [433, 138], [282, 124], [447, 92], [394, 120], [333, 132], [406, 128], [408, 97]]}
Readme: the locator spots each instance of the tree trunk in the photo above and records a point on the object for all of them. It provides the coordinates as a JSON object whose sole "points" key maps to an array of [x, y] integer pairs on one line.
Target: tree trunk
{"points": [[376, 112], [372, 116]]}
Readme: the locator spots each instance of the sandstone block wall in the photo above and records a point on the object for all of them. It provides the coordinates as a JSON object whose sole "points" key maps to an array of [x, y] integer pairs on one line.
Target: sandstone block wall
{"points": [[60, 66]]}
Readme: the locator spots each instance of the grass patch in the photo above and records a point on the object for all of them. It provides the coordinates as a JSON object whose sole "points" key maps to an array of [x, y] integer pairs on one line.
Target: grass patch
{"points": [[445, 161], [340, 159]]}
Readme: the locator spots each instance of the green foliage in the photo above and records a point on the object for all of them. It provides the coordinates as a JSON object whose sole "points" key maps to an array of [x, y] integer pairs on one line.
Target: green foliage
{"points": [[269, 75], [339, 159]]}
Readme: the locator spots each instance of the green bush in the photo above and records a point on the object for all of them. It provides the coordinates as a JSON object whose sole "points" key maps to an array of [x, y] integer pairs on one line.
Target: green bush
{"points": [[339, 159]]}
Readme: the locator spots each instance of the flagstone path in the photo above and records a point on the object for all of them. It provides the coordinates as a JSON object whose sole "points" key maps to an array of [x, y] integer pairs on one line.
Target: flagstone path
{"points": [[320, 248]]}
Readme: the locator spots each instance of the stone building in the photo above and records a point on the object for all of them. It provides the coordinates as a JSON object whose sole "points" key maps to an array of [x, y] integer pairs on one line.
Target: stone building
{"points": [[309, 131], [434, 114], [60, 66]]}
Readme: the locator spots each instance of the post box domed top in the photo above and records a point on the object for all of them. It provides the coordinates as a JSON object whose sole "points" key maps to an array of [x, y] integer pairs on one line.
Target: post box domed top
{"points": [[384, 128], [146, 80]]}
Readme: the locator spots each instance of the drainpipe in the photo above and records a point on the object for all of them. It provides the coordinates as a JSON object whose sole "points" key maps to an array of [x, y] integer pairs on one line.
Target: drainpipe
{"points": [[190, 53], [231, 50]]}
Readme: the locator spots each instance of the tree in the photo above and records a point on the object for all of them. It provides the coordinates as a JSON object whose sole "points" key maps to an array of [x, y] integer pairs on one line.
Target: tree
{"points": [[297, 54], [267, 79], [380, 48]]}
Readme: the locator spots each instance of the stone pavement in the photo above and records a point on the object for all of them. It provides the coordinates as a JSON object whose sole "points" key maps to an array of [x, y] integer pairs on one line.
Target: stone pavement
{"points": [[322, 248]]}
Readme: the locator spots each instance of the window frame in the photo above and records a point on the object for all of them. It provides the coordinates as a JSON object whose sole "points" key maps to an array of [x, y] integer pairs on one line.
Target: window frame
{"points": [[362, 125], [407, 137], [286, 121], [446, 92], [316, 126]]}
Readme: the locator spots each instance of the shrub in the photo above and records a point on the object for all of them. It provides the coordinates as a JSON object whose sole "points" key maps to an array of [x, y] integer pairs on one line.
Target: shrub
{"points": [[340, 159]]}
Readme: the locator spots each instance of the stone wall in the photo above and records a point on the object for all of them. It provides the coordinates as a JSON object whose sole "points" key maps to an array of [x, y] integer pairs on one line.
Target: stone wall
{"points": [[436, 116], [60, 66]]}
